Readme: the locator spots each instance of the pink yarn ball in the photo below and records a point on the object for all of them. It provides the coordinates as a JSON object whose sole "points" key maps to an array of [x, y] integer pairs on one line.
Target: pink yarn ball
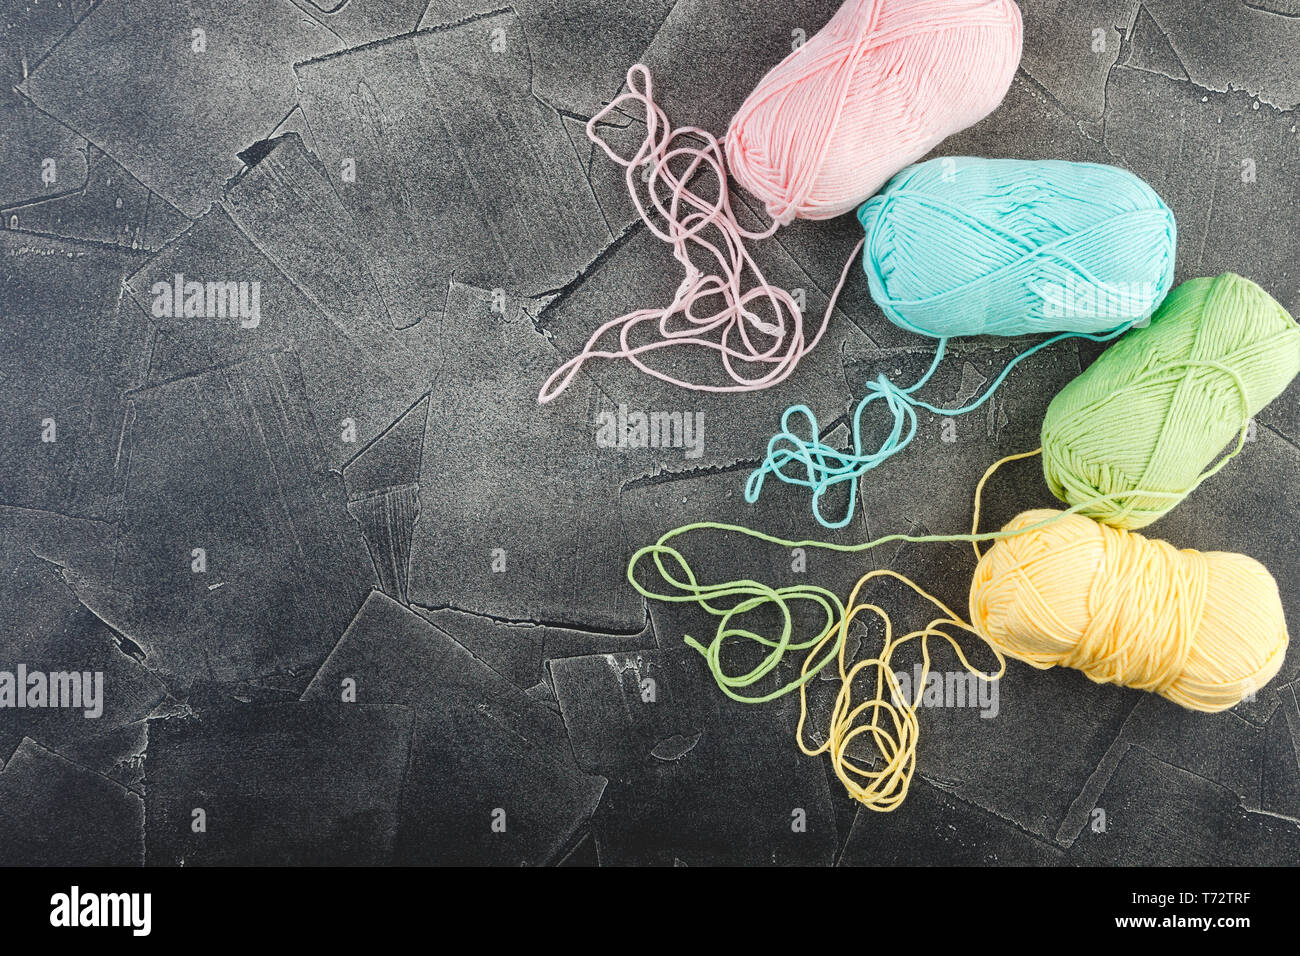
{"points": [[875, 90]]}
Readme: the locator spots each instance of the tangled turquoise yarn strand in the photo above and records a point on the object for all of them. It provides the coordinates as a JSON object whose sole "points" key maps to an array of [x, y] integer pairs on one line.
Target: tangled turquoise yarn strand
{"points": [[825, 466], [964, 246]]}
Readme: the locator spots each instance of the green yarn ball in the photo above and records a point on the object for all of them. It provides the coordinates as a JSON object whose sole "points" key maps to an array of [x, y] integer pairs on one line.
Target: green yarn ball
{"points": [[1139, 428]]}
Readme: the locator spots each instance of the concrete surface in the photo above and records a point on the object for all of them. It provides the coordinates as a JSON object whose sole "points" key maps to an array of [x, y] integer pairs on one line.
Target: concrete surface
{"points": [[355, 598]]}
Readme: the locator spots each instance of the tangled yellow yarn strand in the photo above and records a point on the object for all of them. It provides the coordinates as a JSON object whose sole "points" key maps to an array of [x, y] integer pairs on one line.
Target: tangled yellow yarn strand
{"points": [[893, 727], [883, 789], [750, 595]]}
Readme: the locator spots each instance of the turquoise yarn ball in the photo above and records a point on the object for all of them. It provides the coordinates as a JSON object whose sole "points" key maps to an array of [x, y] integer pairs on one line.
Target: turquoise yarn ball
{"points": [[963, 246]]}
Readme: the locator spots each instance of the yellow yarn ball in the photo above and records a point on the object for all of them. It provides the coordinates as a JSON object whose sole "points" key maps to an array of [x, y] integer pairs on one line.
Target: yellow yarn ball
{"points": [[1204, 629]]}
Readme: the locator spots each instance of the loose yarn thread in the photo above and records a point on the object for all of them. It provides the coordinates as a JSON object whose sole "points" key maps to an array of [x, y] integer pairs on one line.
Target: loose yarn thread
{"points": [[961, 246], [820, 467], [863, 97], [708, 226], [1056, 589]]}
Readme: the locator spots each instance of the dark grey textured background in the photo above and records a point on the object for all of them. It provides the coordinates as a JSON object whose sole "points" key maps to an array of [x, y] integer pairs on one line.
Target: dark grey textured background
{"points": [[371, 560]]}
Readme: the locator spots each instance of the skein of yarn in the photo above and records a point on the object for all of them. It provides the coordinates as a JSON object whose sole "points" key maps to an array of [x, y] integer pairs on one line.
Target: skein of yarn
{"points": [[959, 246], [1136, 432], [876, 88], [1204, 629]]}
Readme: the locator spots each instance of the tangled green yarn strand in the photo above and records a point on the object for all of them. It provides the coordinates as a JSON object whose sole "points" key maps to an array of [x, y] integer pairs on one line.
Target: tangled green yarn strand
{"points": [[756, 594]]}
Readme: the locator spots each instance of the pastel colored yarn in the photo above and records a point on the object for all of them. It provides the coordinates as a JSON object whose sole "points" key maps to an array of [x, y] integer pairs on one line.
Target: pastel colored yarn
{"points": [[960, 246], [1204, 629], [875, 89], [880, 85], [1137, 431], [756, 328]]}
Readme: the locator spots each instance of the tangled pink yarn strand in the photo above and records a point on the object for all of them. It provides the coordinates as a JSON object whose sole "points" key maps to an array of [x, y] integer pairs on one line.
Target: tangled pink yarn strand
{"points": [[686, 217]]}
